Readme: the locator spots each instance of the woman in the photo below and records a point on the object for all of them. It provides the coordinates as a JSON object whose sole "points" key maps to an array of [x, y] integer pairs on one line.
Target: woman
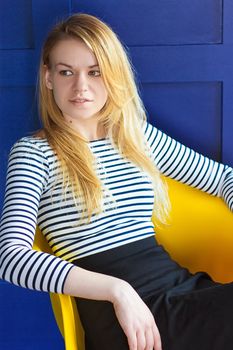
{"points": [[90, 179]]}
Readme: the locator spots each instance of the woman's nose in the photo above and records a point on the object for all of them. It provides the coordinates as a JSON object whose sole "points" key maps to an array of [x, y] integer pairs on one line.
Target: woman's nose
{"points": [[80, 82]]}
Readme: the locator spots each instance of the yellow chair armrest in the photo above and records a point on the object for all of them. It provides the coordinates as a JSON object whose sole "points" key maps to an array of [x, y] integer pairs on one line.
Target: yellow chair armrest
{"points": [[68, 321], [64, 308]]}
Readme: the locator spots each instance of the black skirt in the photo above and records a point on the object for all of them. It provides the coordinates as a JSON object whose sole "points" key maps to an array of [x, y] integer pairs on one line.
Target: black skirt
{"points": [[192, 311]]}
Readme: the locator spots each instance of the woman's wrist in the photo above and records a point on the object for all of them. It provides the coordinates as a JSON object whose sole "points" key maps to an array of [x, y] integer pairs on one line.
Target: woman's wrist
{"points": [[118, 290]]}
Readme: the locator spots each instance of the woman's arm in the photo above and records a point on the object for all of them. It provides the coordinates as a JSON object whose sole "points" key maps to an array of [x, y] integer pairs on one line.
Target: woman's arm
{"points": [[185, 165], [26, 178]]}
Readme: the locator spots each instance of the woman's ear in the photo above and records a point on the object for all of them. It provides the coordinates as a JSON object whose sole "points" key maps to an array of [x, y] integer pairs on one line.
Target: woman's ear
{"points": [[48, 80]]}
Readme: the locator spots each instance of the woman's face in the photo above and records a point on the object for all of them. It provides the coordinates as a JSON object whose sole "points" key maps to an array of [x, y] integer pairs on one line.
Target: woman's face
{"points": [[78, 88]]}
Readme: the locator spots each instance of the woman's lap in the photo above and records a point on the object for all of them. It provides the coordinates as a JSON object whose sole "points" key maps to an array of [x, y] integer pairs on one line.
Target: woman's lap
{"points": [[191, 311]]}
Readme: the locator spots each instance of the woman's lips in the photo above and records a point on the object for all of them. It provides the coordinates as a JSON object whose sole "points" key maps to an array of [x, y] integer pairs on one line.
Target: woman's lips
{"points": [[80, 101]]}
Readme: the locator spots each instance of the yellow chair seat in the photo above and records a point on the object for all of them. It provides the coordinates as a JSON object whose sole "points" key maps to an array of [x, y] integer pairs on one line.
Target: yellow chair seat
{"points": [[199, 237]]}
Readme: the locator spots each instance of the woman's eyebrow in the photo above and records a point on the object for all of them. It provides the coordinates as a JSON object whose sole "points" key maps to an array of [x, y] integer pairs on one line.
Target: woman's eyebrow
{"points": [[63, 64], [94, 65], [69, 66]]}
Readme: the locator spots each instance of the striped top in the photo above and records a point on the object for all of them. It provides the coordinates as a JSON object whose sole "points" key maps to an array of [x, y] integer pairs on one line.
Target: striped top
{"points": [[34, 197]]}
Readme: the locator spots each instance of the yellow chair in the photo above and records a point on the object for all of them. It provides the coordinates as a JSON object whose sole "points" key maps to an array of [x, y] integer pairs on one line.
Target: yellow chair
{"points": [[64, 307], [199, 237]]}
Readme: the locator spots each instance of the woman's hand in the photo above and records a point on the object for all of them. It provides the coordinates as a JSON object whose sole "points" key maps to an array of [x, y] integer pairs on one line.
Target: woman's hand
{"points": [[136, 320], [132, 313]]}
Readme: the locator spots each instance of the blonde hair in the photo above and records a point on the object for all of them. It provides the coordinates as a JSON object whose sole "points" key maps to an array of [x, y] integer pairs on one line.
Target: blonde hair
{"points": [[122, 116]]}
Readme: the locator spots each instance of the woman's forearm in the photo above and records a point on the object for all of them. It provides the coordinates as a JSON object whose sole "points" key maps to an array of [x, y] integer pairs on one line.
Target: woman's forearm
{"points": [[92, 285]]}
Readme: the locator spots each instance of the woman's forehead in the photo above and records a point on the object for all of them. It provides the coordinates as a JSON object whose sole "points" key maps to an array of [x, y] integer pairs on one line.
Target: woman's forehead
{"points": [[72, 52]]}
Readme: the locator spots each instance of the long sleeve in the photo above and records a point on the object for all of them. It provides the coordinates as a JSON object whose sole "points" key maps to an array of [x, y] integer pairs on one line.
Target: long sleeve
{"points": [[19, 264], [187, 166]]}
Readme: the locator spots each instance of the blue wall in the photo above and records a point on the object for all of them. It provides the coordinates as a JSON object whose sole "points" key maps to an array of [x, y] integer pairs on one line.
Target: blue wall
{"points": [[182, 52]]}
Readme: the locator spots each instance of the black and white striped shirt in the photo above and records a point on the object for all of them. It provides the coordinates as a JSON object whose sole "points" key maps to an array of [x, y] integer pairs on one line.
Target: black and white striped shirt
{"points": [[34, 196]]}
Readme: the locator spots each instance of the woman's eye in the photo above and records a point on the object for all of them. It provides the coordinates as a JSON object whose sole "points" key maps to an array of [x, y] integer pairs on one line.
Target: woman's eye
{"points": [[95, 73], [66, 73]]}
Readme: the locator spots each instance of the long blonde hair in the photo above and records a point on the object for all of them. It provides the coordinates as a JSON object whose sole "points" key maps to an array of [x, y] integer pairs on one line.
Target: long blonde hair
{"points": [[122, 116]]}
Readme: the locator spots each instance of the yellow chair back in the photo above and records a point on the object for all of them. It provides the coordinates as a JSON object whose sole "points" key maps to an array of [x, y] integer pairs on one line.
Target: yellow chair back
{"points": [[200, 234]]}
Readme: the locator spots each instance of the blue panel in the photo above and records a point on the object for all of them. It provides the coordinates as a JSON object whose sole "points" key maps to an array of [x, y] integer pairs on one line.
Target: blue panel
{"points": [[190, 112], [20, 118], [16, 24], [183, 63], [27, 320], [227, 122], [46, 14], [166, 22], [17, 68], [227, 22], [228, 85]]}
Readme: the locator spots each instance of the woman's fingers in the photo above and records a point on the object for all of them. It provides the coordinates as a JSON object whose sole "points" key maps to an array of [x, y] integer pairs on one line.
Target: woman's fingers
{"points": [[152, 340], [157, 338], [136, 320], [141, 340], [132, 340], [144, 340], [149, 336]]}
